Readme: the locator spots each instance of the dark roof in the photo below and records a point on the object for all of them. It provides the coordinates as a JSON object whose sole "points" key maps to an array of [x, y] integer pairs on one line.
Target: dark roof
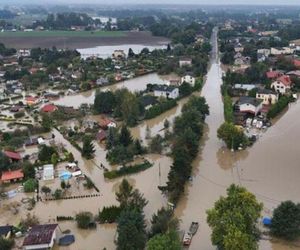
{"points": [[4, 230], [266, 91], [250, 100], [148, 100], [40, 234], [164, 88]]}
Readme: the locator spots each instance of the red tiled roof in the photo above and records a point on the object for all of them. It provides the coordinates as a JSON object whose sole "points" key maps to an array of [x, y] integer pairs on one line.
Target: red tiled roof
{"points": [[49, 108], [296, 63], [101, 135], [273, 74], [104, 122], [30, 99], [285, 80], [13, 155], [12, 175], [40, 234]]}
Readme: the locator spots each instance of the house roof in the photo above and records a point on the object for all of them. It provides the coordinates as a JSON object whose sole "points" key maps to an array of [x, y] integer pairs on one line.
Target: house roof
{"points": [[273, 74], [285, 80], [266, 91], [13, 155], [148, 100], [249, 100], [294, 73], [103, 122], [164, 88], [4, 230], [101, 135], [40, 234], [31, 99], [12, 175], [296, 63], [49, 108]]}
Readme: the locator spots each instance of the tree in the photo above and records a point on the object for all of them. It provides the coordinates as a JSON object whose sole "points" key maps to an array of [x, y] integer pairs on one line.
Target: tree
{"points": [[233, 136], [30, 185], [163, 221], [185, 89], [84, 219], [233, 220], [138, 147], [46, 190], [4, 162], [45, 153], [54, 159], [286, 221], [47, 122], [57, 194], [131, 230], [70, 157], [104, 102], [168, 241], [28, 170], [130, 53], [6, 244], [166, 124], [87, 148], [125, 137], [156, 144]]}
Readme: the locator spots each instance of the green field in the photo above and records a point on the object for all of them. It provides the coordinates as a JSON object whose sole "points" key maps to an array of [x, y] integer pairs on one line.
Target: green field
{"points": [[58, 33]]}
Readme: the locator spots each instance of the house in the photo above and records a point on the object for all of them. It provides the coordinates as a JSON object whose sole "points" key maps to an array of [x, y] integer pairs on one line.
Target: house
{"points": [[118, 54], [188, 78], [249, 105], [49, 108], [106, 123], [267, 96], [166, 91], [23, 53], [48, 172], [242, 60], [41, 237], [175, 82], [238, 48], [31, 142], [148, 101], [246, 87], [185, 61], [282, 51], [294, 73], [265, 52], [102, 81], [30, 100], [273, 74], [296, 63], [6, 231], [101, 135], [12, 176], [282, 85], [13, 156]]}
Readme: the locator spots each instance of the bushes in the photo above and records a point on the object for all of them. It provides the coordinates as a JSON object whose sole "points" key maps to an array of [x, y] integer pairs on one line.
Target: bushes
{"points": [[159, 108], [62, 218], [228, 110], [30, 185], [109, 214], [127, 170], [84, 220], [279, 106]]}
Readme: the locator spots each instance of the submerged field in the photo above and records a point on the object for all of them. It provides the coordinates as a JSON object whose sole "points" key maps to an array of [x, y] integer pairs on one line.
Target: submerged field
{"points": [[60, 33], [77, 39]]}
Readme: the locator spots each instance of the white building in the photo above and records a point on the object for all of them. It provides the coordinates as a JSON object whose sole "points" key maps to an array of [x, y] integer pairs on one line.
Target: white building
{"points": [[41, 237], [267, 96], [48, 172], [282, 85], [118, 54], [188, 78], [282, 51], [249, 105], [185, 62], [265, 52], [166, 91]]}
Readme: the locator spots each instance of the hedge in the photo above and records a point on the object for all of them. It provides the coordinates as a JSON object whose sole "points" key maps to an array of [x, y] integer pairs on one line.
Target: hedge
{"points": [[159, 108], [279, 106], [109, 214], [127, 170]]}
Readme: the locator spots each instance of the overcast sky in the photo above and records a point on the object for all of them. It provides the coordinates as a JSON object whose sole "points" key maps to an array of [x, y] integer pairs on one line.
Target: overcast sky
{"points": [[109, 2]]}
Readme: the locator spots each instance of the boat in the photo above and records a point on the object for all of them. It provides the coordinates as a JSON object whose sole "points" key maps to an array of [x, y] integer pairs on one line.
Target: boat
{"points": [[66, 240], [187, 239], [194, 227]]}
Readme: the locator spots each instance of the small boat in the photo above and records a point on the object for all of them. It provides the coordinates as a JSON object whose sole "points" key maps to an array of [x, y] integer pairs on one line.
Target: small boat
{"points": [[66, 240], [194, 227], [187, 239]]}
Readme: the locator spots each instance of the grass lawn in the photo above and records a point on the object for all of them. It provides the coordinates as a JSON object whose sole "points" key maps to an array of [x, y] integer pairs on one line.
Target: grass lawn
{"points": [[59, 33]]}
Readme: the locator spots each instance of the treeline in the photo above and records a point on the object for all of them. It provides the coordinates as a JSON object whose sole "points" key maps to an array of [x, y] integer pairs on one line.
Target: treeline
{"points": [[159, 108], [6, 51], [187, 131], [278, 107], [63, 21]]}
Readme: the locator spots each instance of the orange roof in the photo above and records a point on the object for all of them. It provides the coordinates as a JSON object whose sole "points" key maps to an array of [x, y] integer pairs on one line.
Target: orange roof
{"points": [[104, 122], [49, 108], [285, 80], [273, 74], [12, 175], [31, 99], [296, 63], [13, 155]]}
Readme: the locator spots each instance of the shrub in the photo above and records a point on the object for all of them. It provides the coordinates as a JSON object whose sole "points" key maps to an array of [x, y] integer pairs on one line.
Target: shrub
{"points": [[109, 214], [279, 106], [84, 220], [30, 185], [159, 108]]}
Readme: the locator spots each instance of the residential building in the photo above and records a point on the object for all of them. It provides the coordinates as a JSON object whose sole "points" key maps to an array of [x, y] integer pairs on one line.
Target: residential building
{"points": [[118, 54], [48, 172], [13, 156], [249, 105], [185, 61], [294, 73], [265, 52], [188, 78], [102, 81], [23, 53], [101, 135], [282, 51], [282, 85], [12, 176], [30, 100], [41, 237], [267, 96], [49, 108], [273, 74], [166, 91]]}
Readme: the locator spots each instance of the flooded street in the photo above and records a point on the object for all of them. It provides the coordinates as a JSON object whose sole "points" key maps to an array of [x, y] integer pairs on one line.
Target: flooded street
{"points": [[270, 169], [135, 84]]}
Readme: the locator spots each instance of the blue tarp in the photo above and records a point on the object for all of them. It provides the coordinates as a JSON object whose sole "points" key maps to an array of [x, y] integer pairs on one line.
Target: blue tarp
{"points": [[65, 175], [267, 221], [66, 240]]}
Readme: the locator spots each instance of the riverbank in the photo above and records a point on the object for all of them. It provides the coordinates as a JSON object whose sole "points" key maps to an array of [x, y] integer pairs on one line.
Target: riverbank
{"points": [[75, 42]]}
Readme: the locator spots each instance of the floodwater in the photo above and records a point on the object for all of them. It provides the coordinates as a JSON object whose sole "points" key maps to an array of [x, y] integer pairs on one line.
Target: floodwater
{"points": [[106, 51], [134, 85], [270, 169]]}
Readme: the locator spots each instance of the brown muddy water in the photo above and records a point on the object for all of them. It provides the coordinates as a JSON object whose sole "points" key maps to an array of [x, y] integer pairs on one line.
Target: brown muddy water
{"points": [[135, 84], [270, 169]]}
